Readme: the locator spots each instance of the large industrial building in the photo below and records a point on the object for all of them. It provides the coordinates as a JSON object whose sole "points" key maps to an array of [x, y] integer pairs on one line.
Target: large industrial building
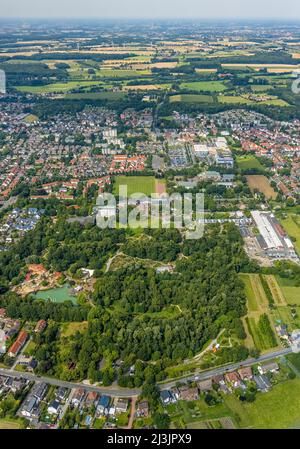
{"points": [[272, 238]]}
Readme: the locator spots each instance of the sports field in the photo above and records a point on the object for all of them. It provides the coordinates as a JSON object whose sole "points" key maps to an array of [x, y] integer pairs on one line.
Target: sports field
{"points": [[136, 184]]}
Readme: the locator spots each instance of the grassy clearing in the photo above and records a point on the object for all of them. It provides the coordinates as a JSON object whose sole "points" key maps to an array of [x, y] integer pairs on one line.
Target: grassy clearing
{"points": [[249, 162], [262, 184], [136, 184], [69, 329]]}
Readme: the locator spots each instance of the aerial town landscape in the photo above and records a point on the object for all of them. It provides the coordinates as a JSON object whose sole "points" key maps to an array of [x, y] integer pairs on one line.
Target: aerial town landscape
{"points": [[144, 328]]}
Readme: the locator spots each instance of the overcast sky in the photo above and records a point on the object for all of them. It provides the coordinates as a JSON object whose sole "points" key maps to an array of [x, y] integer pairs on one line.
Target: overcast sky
{"points": [[280, 9]]}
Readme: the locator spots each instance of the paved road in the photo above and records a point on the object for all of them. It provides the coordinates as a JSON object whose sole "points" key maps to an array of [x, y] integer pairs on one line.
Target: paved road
{"points": [[224, 369], [122, 392], [116, 391]]}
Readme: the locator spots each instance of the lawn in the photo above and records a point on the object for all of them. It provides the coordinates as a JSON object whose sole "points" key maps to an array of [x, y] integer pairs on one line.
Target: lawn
{"points": [[249, 162], [136, 184], [204, 86], [277, 409]]}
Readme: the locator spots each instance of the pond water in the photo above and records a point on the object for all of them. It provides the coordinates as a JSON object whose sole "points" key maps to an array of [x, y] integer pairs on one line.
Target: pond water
{"points": [[59, 294]]}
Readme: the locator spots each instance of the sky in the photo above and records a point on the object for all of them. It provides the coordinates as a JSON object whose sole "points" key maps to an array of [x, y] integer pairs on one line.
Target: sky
{"points": [[202, 9]]}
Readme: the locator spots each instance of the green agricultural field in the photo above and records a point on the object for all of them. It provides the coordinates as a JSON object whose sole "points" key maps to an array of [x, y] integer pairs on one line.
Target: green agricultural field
{"points": [[136, 184], [204, 86], [248, 162], [290, 291], [111, 96], [231, 99], [292, 226], [57, 87], [251, 297], [263, 338], [189, 98], [121, 73]]}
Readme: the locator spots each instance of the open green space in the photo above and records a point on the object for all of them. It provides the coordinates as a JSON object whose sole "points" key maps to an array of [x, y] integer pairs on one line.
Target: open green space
{"points": [[248, 162], [135, 184], [190, 98], [251, 298], [263, 336], [204, 86], [111, 96], [277, 409], [290, 291], [291, 224], [57, 87]]}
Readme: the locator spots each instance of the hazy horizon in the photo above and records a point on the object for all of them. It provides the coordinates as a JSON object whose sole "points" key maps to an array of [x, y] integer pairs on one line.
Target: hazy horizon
{"points": [[156, 9]]}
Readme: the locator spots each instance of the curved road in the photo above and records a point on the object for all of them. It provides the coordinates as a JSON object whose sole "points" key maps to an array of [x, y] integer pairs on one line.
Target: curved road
{"points": [[126, 393]]}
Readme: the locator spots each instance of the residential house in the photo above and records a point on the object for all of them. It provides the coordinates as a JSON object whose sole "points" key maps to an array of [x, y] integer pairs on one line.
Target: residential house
{"points": [[30, 409], [91, 399], [166, 397], [189, 393], [54, 408], [233, 379], [103, 405], [61, 393], [78, 397], [41, 325], [205, 385], [245, 373], [142, 409], [271, 367], [18, 344], [121, 406]]}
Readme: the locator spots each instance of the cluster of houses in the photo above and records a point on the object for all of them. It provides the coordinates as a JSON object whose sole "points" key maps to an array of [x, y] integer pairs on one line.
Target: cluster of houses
{"points": [[225, 384], [17, 223]]}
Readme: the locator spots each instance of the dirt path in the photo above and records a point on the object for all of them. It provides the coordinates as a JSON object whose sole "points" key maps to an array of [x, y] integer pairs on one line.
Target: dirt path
{"points": [[132, 413]]}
